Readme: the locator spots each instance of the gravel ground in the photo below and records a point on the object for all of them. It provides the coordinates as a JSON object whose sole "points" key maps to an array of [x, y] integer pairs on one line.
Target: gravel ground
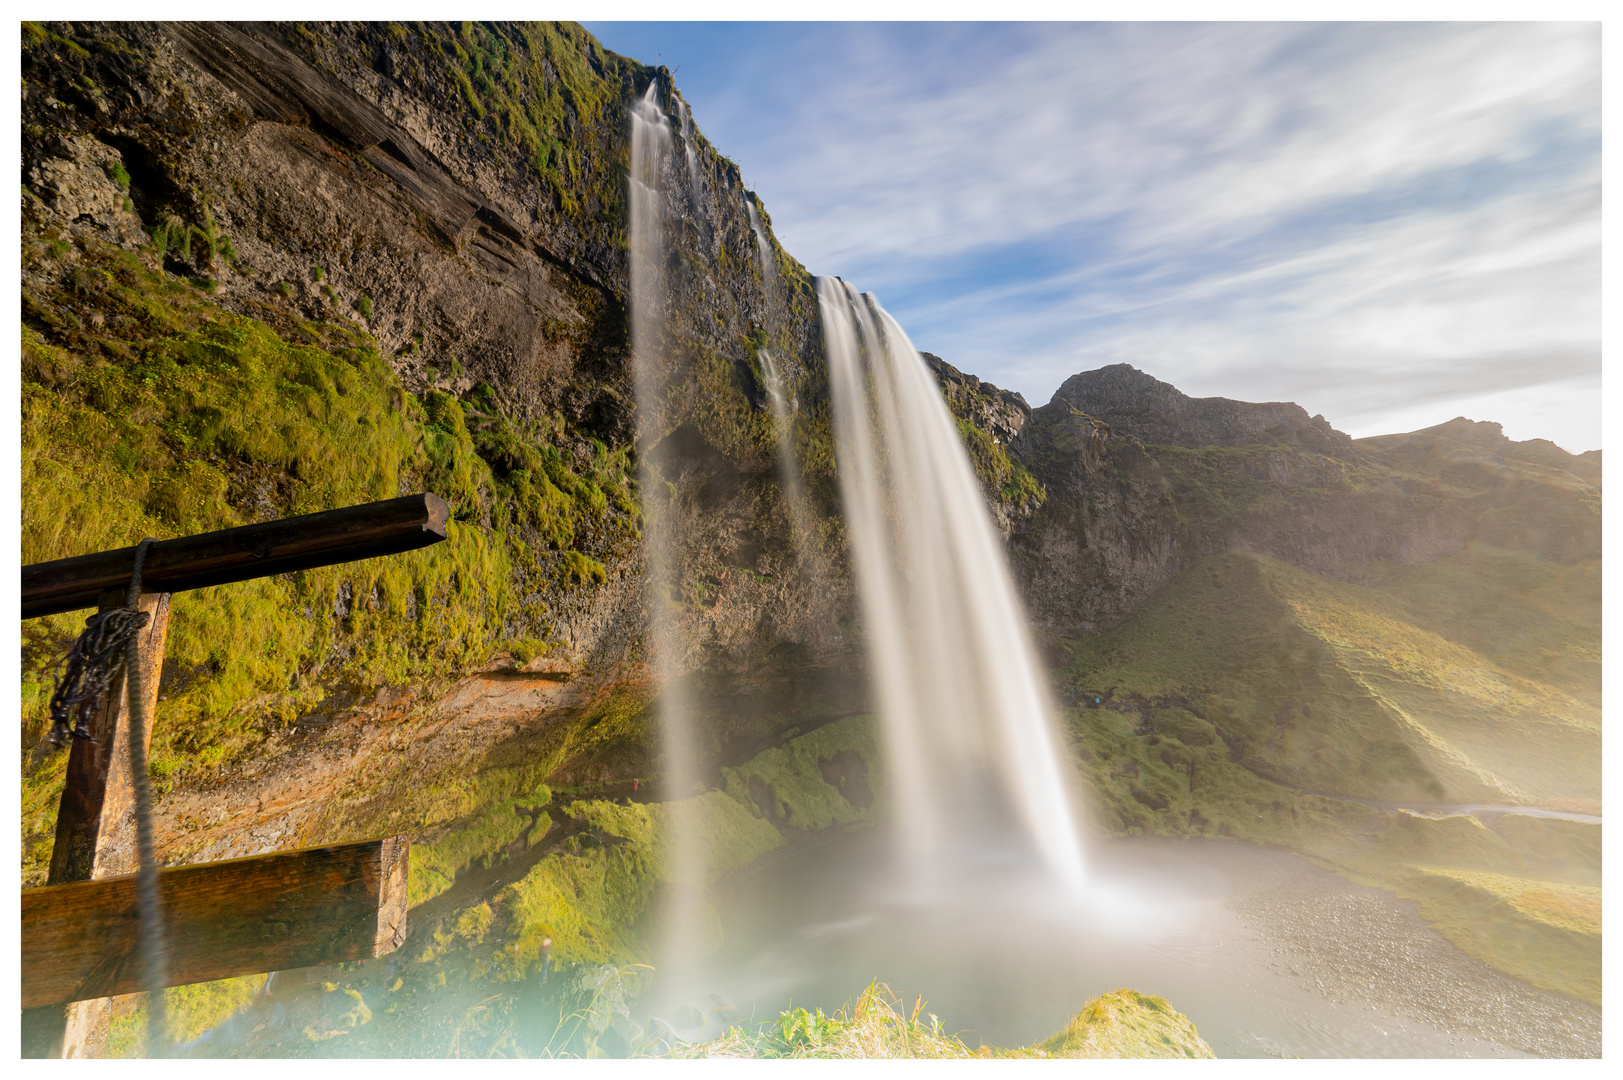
{"points": [[1360, 946]]}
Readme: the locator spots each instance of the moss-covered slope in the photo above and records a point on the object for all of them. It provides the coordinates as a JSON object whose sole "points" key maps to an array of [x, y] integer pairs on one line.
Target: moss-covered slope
{"points": [[1332, 687], [1254, 700]]}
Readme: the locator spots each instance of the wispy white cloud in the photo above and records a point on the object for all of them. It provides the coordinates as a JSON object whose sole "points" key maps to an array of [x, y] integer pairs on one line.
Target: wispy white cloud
{"points": [[1414, 313], [1181, 130], [1381, 221]]}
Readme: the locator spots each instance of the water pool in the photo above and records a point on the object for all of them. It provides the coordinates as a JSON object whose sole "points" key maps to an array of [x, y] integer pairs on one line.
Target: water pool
{"points": [[1267, 954]]}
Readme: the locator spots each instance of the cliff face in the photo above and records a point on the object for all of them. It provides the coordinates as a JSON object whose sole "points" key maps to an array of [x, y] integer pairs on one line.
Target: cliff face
{"points": [[1140, 479], [424, 227], [383, 186], [449, 201], [990, 421]]}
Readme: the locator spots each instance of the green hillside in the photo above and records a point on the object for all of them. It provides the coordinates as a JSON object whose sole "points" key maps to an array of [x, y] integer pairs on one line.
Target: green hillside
{"points": [[1471, 679], [1255, 700]]}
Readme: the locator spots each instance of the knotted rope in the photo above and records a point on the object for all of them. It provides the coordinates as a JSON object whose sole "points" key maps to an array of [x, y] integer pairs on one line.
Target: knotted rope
{"points": [[108, 647], [92, 665]]}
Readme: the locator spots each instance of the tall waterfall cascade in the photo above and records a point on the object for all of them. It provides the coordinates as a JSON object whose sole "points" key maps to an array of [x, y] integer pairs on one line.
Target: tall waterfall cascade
{"points": [[651, 144], [650, 151], [686, 115], [970, 750], [768, 265], [973, 753]]}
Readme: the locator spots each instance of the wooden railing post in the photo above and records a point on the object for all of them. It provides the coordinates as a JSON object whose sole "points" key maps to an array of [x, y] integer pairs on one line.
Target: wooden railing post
{"points": [[95, 828], [95, 831]]}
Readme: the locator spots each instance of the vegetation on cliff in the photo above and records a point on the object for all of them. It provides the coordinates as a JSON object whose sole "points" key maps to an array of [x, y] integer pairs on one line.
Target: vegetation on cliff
{"points": [[149, 411], [1120, 1024]]}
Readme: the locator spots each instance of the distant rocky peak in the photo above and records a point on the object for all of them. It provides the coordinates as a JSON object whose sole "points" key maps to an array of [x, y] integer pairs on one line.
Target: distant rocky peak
{"points": [[1484, 434], [1461, 438], [1137, 404]]}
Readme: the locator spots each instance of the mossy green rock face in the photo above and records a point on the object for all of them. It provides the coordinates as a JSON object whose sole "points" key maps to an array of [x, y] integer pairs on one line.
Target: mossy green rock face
{"points": [[207, 419], [832, 776], [589, 901], [1128, 1024]]}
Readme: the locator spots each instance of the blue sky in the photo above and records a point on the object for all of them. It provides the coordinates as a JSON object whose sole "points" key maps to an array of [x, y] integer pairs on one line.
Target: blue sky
{"points": [[1391, 224]]}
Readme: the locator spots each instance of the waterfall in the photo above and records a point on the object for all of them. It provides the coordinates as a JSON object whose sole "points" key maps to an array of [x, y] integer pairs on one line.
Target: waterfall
{"points": [[794, 493], [972, 750], [650, 145], [783, 407], [652, 371], [687, 150], [768, 264]]}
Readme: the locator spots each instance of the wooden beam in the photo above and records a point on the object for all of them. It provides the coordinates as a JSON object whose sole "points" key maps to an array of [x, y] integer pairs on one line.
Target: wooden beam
{"points": [[217, 558], [239, 917], [95, 826], [95, 823]]}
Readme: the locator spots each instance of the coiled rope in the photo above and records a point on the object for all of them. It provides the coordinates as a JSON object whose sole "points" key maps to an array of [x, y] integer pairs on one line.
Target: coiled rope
{"points": [[109, 646], [90, 668]]}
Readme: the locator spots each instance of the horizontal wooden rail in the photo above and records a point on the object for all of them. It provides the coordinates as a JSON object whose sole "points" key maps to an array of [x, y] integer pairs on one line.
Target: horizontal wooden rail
{"points": [[240, 917], [217, 558]]}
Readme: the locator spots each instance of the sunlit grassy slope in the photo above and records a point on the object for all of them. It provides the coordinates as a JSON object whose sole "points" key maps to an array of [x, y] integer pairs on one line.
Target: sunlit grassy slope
{"points": [[1255, 700], [1538, 619], [1519, 892], [1472, 679]]}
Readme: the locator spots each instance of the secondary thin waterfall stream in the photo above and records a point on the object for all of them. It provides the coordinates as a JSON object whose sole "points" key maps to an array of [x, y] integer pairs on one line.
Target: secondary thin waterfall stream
{"points": [[973, 758], [650, 151], [783, 406]]}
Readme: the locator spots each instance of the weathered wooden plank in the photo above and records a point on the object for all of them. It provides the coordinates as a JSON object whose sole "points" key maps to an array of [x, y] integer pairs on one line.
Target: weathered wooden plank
{"points": [[239, 917], [95, 826], [95, 822], [217, 558]]}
